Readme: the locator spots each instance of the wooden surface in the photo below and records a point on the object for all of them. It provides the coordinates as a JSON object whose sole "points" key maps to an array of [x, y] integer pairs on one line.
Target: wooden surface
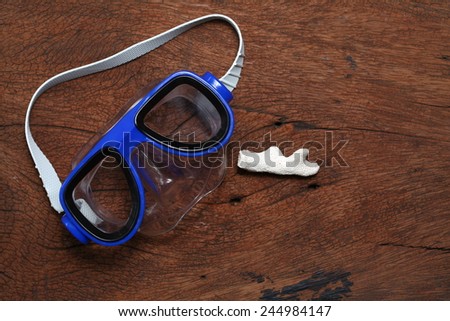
{"points": [[375, 75]]}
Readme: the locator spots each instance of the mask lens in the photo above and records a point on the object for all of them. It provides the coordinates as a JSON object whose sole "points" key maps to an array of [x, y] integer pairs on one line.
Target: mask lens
{"points": [[184, 115], [103, 196]]}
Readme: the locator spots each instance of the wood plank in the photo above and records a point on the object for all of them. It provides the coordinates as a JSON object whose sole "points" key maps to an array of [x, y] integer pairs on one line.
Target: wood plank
{"points": [[375, 76]]}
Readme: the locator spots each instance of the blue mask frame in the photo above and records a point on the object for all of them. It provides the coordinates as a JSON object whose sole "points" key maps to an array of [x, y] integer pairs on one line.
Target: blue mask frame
{"points": [[123, 137]]}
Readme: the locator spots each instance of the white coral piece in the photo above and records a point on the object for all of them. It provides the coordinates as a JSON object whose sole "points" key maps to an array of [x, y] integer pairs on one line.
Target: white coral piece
{"points": [[273, 161]]}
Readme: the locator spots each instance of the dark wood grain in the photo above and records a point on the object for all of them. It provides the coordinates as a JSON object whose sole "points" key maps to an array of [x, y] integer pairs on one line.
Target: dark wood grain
{"points": [[374, 75]]}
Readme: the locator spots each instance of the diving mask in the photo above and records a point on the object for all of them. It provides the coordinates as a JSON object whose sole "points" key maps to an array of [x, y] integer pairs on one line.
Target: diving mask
{"points": [[166, 148]]}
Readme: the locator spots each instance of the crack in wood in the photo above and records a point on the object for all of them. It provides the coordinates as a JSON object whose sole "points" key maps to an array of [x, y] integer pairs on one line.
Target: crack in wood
{"points": [[419, 247], [324, 286], [350, 129]]}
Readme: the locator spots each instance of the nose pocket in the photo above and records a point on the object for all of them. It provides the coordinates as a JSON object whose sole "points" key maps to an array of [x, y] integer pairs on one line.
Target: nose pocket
{"points": [[174, 184]]}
